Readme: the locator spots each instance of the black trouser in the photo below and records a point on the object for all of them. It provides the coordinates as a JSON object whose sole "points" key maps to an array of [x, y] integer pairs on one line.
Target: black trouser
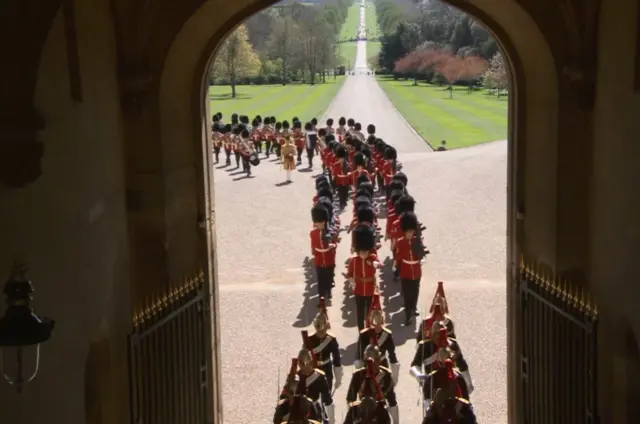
{"points": [[328, 373], [267, 147], [258, 146], [246, 165], [324, 276], [343, 195], [363, 304], [216, 152], [238, 156], [410, 294], [278, 148], [310, 152], [228, 153], [380, 179], [299, 150]]}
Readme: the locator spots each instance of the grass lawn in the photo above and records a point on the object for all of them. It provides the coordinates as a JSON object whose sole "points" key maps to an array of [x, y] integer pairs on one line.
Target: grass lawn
{"points": [[371, 20], [352, 23], [284, 102], [463, 121], [347, 53]]}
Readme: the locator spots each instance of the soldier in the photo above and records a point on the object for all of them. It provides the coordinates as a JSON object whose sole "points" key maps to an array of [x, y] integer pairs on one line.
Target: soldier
{"points": [[227, 143], [350, 126], [371, 131], [371, 408], [447, 405], [383, 377], [256, 135], [389, 167], [340, 174], [237, 144], [294, 388], [357, 132], [329, 128], [234, 121], [323, 249], [359, 164], [216, 138], [424, 331], [325, 348], [311, 142], [377, 332], [245, 150], [267, 133], [298, 140], [279, 139], [341, 131], [408, 263], [361, 271], [316, 384]]}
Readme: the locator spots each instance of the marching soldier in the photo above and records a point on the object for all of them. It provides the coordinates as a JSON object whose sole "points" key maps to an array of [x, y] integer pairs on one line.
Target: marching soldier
{"points": [[357, 132], [298, 140], [278, 139], [325, 348], [377, 332], [237, 144], [340, 174], [389, 166], [329, 128], [360, 164], [372, 407], [245, 150], [408, 263], [323, 248], [311, 142], [228, 143], [216, 138], [316, 383], [267, 134], [424, 331], [447, 405], [341, 131], [289, 402], [256, 135], [361, 271], [382, 376]]}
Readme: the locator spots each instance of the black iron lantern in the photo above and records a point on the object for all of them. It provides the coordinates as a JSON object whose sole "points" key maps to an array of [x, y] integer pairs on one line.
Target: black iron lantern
{"points": [[21, 328]]}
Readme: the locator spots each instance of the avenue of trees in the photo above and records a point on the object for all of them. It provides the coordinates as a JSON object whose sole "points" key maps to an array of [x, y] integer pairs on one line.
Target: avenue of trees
{"points": [[289, 42], [428, 40]]}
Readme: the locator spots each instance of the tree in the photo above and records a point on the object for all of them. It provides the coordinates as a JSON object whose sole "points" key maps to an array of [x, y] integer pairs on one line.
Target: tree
{"points": [[236, 59], [280, 44], [452, 68], [473, 67], [496, 77]]}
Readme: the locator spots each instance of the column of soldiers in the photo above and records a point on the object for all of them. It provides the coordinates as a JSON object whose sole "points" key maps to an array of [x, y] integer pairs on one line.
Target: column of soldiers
{"points": [[365, 169]]}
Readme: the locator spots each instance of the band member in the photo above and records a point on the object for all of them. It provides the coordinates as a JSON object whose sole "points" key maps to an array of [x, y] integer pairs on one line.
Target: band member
{"points": [[246, 150], [298, 139], [228, 143], [340, 174], [408, 263], [267, 133], [216, 138], [357, 132], [371, 132], [350, 126], [382, 376], [323, 249], [376, 332], [361, 271], [256, 135], [325, 348], [311, 142], [288, 158], [237, 144], [279, 139], [371, 408], [234, 121], [294, 388], [447, 405], [329, 128], [359, 164], [316, 383], [341, 131]]}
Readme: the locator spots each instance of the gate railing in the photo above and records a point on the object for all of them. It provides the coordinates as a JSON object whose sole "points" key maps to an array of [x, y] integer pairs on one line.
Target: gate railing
{"points": [[559, 330], [167, 353]]}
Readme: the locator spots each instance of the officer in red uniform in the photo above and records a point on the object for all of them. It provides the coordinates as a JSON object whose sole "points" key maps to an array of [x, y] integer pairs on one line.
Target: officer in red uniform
{"points": [[323, 248], [340, 172], [361, 271], [409, 266]]}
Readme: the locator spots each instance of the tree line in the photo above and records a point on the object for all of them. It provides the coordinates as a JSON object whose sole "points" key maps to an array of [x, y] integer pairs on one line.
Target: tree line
{"points": [[432, 41], [286, 43]]}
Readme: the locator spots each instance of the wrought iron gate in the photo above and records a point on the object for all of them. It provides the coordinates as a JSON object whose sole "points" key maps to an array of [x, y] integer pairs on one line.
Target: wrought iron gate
{"points": [[559, 328], [169, 358]]}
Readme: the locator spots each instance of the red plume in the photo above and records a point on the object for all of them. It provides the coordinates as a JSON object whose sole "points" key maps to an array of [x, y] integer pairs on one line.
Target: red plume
{"points": [[323, 308], [440, 294], [292, 374], [307, 344], [451, 376], [375, 305], [443, 340], [436, 315]]}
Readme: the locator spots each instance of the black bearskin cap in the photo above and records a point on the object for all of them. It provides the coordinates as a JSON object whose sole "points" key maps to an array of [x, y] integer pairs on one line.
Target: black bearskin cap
{"points": [[227, 128], [327, 204], [329, 122], [364, 193], [380, 145], [273, 119], [319, 214], [278, 126], [255, 123], [342, 121], [405, 204], [295, 119], [215, 127], [366, 152], [366, 186], [234, 118], [396, 185], [322, 184], [237, 130], [297, 125], [341, 152], [362, 178], [409, 221], [371, 129], [285, 125], [357, 126], [359, 160], [366, 214], [364, 238], [244, 119], [314, 121], [357, 144], [321, 179], [329, 138], [362, 201], [395, 195], [325, 191], [351, 122], [390, 153], [400, 176], [322, 132], [308, 126], [244, 133], [258, 118], [371, 140]]}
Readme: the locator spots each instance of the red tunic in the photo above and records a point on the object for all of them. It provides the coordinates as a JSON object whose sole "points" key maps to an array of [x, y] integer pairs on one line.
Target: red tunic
{"points": [[387, 172], [256, 135], [406, 260], [323, 255], [356, 174], [298, 139], [337, 170], [363, 271], [395, 231]]}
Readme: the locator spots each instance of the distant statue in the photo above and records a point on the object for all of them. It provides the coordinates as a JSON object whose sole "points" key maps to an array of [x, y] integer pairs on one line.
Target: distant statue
{"points": [[442, 147]]}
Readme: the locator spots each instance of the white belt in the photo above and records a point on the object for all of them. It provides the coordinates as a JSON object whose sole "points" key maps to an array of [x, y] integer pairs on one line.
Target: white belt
{"points": [[322, 250], [325, 362], [410, 262]]}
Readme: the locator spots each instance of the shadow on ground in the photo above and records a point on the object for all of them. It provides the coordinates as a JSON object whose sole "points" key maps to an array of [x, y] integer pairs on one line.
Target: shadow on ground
{"points": [[309, 305], [348, 308], [348, 354], [228, 96]]}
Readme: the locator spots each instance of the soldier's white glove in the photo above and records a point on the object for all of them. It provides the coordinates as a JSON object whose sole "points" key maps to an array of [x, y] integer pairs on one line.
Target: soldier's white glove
{"points": [[395, 372], [337, 372], [467, 379], [395, 414], [358, 364], [331, 413], [416, 372]]}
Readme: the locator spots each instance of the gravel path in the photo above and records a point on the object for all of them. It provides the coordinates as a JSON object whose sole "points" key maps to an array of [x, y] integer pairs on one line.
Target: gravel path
{"points": [[267, 293]]}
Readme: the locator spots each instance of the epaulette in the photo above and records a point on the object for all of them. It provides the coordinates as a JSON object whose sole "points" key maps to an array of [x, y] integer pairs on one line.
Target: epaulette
{"points": [[385, 369], [463, 401], [319, 371]]}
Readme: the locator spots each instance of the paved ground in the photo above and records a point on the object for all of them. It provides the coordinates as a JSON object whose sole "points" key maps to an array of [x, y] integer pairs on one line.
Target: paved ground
{"points": [[267, 288]]}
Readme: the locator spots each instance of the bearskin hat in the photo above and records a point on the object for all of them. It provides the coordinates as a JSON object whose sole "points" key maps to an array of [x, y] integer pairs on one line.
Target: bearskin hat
{"points": [[362, 201], [405, 204], [227, 128], [308, 126], [297, 125], [326, 203], [371, 140], [395, 195], [325, 191], [234, 118], [380, 146], [396, 185], [357, 126], [244, 133], [362, 178], [366, 214], [341, 152], [314, 121], [364, 193], [359, 159], [329, 138], [342, 121], [390, 153], [371, 129], [319, 214], [244, 119], [322, 132], [357, 145], [255, 123], [408, 221], [351, 122], [215, 127], [366, 151], [278, 126], [329, 122], [285, 125], [366, 186], [237, 130], [258, 118], [295, 119], [322, 183], [364, 238], [400, 176], [320, 178]]}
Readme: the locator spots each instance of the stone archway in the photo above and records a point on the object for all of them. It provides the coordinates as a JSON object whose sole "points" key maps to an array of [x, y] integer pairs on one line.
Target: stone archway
{"points": [[533, 133]]}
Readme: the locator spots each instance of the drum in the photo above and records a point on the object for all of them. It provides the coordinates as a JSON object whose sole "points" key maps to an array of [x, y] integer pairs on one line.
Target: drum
{"points": [[254, 159]]}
